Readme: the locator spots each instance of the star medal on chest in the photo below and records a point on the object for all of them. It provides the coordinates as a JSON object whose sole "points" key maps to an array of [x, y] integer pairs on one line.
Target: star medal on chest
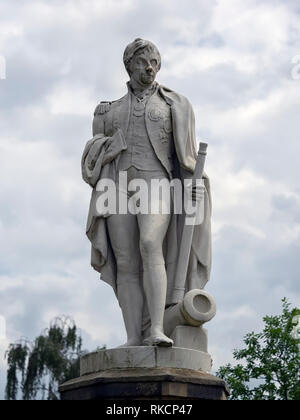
{"points": [[154, 114]]}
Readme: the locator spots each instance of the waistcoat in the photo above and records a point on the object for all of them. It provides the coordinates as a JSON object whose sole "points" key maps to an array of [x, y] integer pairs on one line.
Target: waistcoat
{"points": [[149, 123]]}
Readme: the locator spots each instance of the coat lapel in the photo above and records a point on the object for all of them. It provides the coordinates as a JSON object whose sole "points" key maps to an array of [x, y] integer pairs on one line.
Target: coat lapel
{"points": [[153, 127]]}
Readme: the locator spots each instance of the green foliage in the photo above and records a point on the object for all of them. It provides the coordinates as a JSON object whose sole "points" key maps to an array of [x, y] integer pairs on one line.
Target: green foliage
{"points": [[36, 369], [269, 365]]}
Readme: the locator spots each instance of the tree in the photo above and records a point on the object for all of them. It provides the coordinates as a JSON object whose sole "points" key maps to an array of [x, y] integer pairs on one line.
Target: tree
{"points": [[269, 365], [36, 369]]}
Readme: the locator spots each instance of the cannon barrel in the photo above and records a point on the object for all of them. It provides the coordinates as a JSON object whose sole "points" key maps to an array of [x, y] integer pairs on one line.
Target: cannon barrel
{"points": [[196, 308]]}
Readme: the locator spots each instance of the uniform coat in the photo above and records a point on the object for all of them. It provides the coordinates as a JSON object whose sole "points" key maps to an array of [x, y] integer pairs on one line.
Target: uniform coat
{"points": [[112, 120]]}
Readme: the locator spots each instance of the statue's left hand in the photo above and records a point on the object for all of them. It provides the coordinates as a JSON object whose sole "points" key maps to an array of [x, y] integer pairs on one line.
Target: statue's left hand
{"points": [[198, 192]]}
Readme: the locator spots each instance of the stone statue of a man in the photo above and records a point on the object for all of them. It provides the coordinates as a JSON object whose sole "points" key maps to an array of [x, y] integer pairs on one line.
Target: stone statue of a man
{"points": [[147, 134]]}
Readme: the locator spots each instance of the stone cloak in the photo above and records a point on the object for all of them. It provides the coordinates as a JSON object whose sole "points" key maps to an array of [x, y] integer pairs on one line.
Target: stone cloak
{"points": [[94, 167]]}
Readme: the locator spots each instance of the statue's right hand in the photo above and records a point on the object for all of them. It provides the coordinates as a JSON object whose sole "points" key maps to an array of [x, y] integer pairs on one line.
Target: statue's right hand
{"points": [[112, 147]]}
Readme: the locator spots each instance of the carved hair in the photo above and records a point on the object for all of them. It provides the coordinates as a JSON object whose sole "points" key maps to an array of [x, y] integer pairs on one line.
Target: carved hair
{"points": [[137, 46]]}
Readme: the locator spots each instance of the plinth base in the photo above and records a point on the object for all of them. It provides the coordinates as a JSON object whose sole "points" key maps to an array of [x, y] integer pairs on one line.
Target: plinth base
{"points": [[145, 384], [145, 357]]}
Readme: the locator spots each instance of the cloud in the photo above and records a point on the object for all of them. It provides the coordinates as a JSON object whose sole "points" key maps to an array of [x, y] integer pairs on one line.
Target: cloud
{"points": [[233, 60], [62, 99]]}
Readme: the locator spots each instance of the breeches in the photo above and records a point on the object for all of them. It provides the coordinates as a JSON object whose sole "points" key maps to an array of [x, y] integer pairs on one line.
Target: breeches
{"points": [[137, 239]]}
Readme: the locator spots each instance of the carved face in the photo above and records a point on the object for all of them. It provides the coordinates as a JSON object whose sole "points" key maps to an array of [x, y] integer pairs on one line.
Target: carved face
{"points": [[144, 67]]}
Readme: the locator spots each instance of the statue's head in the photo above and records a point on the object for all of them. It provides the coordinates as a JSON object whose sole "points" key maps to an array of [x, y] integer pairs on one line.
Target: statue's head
{"points": [[142, 61]]}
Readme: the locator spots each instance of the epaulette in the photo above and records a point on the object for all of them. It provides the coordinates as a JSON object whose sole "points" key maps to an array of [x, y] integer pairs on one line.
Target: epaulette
{"points": [[102, 108]]}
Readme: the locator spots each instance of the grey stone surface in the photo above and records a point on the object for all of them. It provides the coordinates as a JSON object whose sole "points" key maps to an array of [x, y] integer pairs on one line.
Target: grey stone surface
{"points": [[190, 337], [130, 357], [145, 357], [145, 383], [183, 358]]}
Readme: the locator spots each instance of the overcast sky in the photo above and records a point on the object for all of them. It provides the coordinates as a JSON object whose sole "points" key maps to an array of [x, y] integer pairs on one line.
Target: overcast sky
{"points": [[233, 60]]}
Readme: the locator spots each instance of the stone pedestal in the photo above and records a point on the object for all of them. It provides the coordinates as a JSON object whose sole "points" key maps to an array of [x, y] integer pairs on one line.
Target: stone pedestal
{"points": [[145, 384], [150, 373]]}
